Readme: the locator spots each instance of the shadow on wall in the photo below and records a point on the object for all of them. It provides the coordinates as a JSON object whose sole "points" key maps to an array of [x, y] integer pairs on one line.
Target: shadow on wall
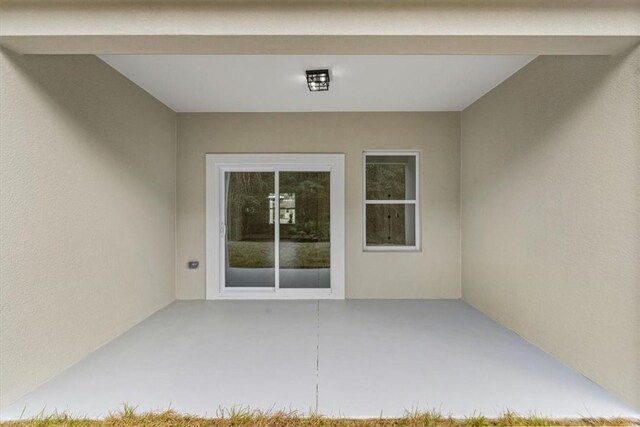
{"points": [[580, 78], [550, 178], [87, 212], [75, 96]]}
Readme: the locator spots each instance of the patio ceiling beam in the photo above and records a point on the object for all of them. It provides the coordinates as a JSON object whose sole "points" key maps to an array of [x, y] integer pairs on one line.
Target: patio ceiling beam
{"points": [[320, 26], [298, 45]]}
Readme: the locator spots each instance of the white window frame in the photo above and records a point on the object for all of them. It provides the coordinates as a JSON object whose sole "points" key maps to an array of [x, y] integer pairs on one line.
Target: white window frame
{"points": [[215, 167], [415, 202]]}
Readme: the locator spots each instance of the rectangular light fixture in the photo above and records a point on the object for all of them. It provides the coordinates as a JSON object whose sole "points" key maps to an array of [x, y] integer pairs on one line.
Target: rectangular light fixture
{"points": [[318, 80]]}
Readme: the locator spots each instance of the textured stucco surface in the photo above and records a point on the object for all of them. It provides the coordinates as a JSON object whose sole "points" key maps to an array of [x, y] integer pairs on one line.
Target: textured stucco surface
{"points": [[432, 273], [570, 27], [320, 17], [551, 212], [87, 220]]}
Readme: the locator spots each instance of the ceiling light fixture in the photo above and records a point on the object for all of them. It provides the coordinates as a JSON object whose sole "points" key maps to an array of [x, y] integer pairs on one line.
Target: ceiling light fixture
{"points": [[318, 80]]}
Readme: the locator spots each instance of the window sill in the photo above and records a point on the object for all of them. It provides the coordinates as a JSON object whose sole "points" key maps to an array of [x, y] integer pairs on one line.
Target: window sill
{"points": [[391, 249]]}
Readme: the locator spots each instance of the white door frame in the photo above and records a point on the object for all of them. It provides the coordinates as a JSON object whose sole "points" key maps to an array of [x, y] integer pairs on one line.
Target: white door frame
{"points": [[216, 166]]}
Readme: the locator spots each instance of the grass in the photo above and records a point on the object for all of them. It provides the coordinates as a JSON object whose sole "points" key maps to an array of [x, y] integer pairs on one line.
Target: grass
{"points": [[241, 417], [292, 254]]}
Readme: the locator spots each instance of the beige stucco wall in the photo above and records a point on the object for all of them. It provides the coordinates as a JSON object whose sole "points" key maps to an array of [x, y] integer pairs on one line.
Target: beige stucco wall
{"points": [[321, 17], [551, 212], [87, 212], [320, 26], [432, 273]]}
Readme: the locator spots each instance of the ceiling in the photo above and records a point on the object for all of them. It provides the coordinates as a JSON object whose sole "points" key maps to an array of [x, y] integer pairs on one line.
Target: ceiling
{"points": [[276, 83]]}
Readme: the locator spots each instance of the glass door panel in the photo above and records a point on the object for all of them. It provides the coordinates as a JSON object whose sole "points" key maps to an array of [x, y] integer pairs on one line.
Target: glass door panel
{"points": [[304, 221], [249, 230]]}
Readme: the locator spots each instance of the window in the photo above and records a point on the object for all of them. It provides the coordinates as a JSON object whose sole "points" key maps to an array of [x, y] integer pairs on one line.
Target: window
{"points": [[391, 209]]}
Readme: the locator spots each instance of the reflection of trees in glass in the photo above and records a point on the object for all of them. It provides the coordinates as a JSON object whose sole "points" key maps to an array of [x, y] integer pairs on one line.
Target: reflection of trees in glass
{"points": [[304, 232], [312, 213], [386, 181], [248, 206]]}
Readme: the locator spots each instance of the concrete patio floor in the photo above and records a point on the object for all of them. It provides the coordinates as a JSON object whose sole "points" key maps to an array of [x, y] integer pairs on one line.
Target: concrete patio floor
{"points": [[355, 358]]}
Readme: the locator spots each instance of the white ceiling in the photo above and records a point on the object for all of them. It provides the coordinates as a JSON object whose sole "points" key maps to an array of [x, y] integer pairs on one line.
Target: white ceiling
{"points": [[276, 83]]}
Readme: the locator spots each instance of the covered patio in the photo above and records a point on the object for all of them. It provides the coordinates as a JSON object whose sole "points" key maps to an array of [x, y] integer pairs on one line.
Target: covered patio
{"points": [[354, 208], [349, 358]]}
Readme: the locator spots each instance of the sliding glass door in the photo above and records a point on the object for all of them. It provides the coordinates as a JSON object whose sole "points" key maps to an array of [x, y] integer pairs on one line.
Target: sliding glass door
{"points": [[304, 244], [249, 238], [280, 227]]}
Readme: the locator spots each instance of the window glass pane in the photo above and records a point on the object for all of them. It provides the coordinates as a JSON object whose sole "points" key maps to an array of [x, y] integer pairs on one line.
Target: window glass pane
{"points": [[250, 232], [305, 244], [391, 177], [391, 224]]}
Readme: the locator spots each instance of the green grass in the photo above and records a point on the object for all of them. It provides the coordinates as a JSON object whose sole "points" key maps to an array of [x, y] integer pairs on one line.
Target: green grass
{"points": [[242, 417], [292, 254]]}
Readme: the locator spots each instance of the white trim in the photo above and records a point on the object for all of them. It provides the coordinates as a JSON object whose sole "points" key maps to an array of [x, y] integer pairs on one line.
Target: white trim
{"points": [[390, 202], [391, 248], [215, 167], [276, 229], [418, 234]]}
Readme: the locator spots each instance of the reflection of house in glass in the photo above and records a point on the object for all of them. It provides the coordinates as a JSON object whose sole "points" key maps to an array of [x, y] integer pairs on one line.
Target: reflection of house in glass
{"points": [[287, 208]]}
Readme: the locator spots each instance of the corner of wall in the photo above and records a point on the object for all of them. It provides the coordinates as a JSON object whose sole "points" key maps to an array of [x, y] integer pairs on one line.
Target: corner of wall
{"points": [[93, 154], [549, 177]]}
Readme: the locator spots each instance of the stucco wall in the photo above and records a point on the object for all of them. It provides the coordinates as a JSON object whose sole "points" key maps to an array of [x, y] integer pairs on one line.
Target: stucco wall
{"points": [[551, 212], [87, 212], [432, 273], [356, 17]]}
